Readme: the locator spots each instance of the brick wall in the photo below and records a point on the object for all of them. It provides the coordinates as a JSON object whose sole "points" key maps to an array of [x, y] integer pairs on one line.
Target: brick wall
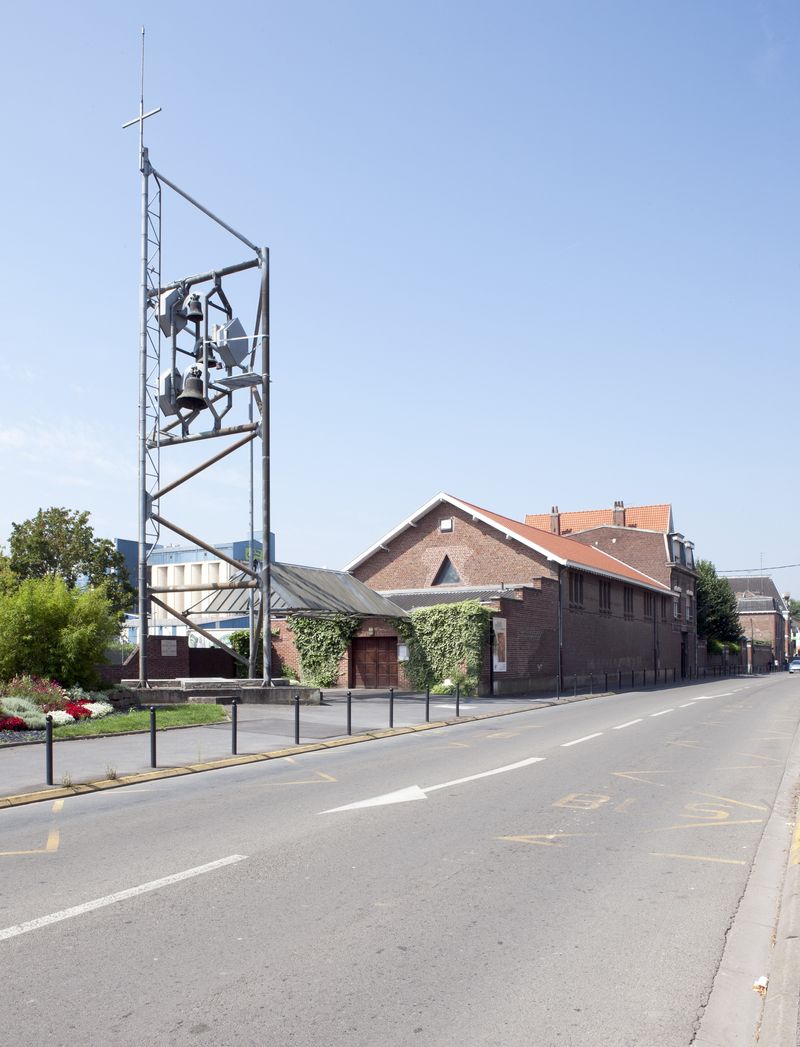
{"points": [[478, 552], [644, 550], [531, 641]]}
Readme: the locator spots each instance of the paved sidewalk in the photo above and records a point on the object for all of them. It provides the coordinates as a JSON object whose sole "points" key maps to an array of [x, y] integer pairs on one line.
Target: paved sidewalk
{"points": [[261, 728]]}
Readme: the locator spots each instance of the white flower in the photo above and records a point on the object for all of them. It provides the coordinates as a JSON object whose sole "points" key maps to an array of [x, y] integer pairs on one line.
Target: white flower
{"points": [[60, 717], [98, 709]]}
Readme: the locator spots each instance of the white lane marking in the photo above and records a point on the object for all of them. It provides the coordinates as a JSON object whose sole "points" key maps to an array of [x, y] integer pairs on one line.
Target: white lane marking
{"points": [[119, 896], [577, 741], [630, 723], [686, 705], [663, 712], [414, 792]]}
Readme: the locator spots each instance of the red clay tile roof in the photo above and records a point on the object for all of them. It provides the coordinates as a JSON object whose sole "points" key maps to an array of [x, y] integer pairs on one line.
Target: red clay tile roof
{"points": [[646, 517], [565, 549]]}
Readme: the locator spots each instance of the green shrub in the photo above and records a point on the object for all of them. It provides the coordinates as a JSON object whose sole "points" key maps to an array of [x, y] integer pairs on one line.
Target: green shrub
{"points": [[321, 643], [51, 631], [446, 642]]}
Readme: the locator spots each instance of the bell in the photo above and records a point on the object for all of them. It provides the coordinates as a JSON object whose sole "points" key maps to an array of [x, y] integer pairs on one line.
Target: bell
{"points": [[192, 399], [192, 309]]}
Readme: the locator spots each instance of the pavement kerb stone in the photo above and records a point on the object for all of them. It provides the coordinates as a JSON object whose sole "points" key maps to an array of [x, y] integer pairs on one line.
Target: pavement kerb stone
{"points": [[42, 796], [780, 1016]]}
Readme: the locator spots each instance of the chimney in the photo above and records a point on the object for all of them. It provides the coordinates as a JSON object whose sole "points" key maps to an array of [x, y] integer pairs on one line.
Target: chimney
{"points": [[619, 514], [555, 520]]}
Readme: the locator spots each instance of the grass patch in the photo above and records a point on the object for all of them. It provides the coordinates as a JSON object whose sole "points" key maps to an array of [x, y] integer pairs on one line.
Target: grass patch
{"points": [[139, 720]]}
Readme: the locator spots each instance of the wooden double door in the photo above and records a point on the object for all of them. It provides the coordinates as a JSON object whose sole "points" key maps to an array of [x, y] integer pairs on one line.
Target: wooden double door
{"points": [[374, 661]]}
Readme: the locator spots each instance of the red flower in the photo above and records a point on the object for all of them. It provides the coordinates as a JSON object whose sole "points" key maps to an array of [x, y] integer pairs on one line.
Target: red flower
{"points": [[12, 723], [80, 712]]}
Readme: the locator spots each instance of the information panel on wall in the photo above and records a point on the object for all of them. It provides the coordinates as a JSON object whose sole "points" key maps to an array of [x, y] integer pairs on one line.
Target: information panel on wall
{"points": [[499, 651]]}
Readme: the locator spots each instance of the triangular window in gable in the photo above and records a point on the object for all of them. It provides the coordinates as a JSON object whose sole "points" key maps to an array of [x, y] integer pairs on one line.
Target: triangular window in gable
{"points": [[447, 574]]}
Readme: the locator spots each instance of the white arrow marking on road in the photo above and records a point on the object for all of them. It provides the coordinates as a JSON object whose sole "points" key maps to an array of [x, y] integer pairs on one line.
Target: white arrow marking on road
{"points": [[414, 792]]}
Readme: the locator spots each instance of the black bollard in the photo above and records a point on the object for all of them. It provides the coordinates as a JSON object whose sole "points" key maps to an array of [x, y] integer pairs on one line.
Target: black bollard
{"points": [[48, 749], [152, 736], [619, 676], [605, 686], [391, 706], [349, 712], [234, 724], [575, 686], [427, 705], [591, 683], [458, 699], [297, 719]]}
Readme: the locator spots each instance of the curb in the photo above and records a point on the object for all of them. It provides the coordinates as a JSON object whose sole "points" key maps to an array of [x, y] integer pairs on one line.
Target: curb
{"points": [[779, 1023], [102, 785], [734, 1015]]}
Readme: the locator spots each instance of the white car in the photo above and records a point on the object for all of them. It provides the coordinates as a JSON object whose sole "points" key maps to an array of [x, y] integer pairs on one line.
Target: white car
{"points": [[794, 665]]}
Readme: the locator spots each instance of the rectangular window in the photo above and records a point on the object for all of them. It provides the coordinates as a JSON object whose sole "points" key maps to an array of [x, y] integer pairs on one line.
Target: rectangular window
{"points": [[649, 605], [676, 607], [605, 597], [575, 589], [627, 601], [689, 609]]}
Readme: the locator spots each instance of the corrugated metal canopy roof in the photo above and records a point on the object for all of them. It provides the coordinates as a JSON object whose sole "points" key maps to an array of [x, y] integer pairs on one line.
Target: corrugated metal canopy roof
{"points": [[309, 591]]}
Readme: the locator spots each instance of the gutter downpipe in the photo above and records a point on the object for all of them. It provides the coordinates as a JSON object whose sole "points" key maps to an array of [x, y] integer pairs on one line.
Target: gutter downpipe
{"points": [[560, 652]]}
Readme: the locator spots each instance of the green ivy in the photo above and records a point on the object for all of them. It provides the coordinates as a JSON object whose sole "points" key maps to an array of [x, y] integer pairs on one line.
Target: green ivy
{"points": [[445, 642], [321, 642]]}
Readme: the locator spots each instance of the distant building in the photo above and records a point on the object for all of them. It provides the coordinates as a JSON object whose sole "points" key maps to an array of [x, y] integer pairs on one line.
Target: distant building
{"points": [[179, 565], [764, 614]]}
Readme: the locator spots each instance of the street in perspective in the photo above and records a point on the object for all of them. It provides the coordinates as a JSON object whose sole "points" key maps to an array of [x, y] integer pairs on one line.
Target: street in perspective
{"points": [[601, 871], [399, 582]]}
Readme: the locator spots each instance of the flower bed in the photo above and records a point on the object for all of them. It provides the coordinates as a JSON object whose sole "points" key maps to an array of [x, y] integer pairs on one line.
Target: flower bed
{"points": [[26, 701]]}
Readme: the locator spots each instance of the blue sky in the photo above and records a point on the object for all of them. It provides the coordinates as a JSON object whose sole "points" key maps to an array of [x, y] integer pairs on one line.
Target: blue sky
{"points": [[527, 253]]}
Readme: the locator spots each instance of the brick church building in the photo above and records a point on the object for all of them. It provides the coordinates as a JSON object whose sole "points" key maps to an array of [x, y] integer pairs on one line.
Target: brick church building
{"points": [[571, 594]]}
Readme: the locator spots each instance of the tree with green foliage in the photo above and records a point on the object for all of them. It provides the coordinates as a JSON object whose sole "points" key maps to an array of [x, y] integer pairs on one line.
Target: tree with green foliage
{"points": [[794, 608], [48, 629], [61, 543], [717, 617]]}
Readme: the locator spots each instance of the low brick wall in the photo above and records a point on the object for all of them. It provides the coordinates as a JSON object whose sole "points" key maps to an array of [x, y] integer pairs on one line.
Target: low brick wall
{"points": [[169, 692]]}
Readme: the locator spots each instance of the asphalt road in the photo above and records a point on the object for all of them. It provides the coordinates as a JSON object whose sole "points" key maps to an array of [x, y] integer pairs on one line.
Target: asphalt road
{"points": [[580, 895]]}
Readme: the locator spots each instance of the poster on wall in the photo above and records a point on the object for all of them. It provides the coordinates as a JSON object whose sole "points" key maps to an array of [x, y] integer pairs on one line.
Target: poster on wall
{"points": [[499, 650]]}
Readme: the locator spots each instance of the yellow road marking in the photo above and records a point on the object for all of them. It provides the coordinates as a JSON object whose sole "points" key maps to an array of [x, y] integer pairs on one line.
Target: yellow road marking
{"points": [[707, 825], [452, 745], [49, 848], [688, 745], [711, 723], [543, 839], [622, 807], [755, 756], [321, 777], [699, 858], [794, 855], [633, 776], [582, 801], [705, 810], [501, 734], [57, 805], [739, 803]]}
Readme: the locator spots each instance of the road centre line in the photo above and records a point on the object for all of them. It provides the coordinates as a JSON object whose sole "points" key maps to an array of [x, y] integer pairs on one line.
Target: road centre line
{"points": [[577, 741], [630, 723], [663, 712], [686, 705], [118, 896]]}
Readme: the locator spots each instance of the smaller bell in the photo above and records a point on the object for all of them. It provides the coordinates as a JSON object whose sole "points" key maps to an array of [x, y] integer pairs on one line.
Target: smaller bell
{"points": [[192, 399], [192, 308]]}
